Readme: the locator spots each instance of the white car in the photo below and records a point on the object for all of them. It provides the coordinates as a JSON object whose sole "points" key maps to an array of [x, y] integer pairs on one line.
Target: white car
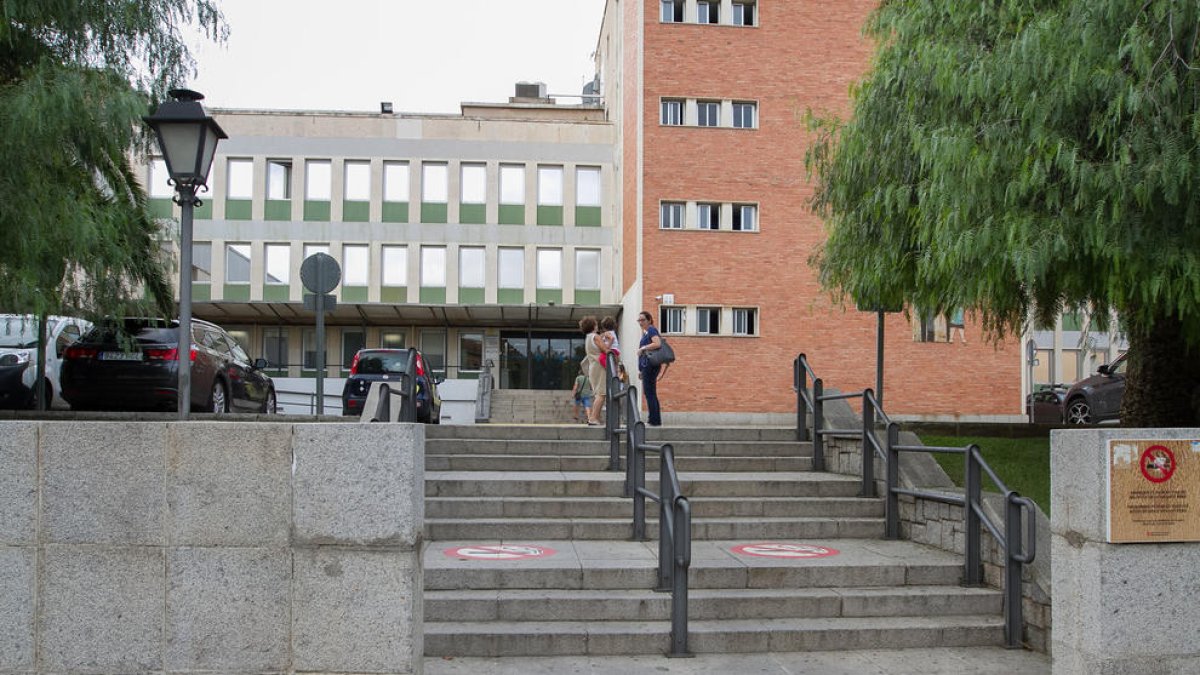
{"points": [[18, 357]]}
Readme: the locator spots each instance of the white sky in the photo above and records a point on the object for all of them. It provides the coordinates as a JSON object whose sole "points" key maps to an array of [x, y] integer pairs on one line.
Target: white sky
{"points": [[426, 56]]}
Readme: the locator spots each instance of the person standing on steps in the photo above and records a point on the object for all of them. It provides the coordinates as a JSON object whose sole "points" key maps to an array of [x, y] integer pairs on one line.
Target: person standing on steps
{"points": [[594, 346], [649, 374]]}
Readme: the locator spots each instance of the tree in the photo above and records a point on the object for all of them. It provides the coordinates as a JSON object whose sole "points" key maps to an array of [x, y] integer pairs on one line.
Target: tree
{"points": [[75, 78], [1019, 157]]}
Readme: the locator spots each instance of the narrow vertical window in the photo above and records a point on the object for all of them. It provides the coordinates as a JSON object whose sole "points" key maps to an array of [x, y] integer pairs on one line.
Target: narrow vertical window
{"points": [[395, 182], [279, 179], [671, 216], [158, 183], [239, 179], [671, 11], [708, 216], [549, 268], [355, 264], [474, 183], [434, 183], [708, 113], [470, 267], [745, 217], [318, 180], [743, 115], [358, 181], [512, 184], [587, 269], [277, 269], [672, 112], [550, 186], [202, 262], [671, 319], [433, 266], [743, 12], [511, 274], [744, 321], [708, 320], [395, 266], [237, 263], [708, 11], [587, 186]]}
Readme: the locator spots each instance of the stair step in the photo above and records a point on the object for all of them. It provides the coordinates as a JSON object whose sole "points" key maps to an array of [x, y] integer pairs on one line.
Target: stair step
{"points": [[620, 507], [594, 462], [544, 638], [599, 446], [438, 529], [611, 484], [576, 431]]}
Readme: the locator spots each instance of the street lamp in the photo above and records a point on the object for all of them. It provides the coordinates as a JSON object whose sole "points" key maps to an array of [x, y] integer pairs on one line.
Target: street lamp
{"points": [[188, 137]]}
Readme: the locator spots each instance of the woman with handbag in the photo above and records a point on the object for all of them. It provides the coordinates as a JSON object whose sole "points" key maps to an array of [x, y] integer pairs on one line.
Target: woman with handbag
{"points": [[647, 371]]}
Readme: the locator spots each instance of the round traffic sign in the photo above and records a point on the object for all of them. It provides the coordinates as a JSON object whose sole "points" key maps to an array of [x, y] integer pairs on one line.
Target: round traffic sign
{"points": [[788, 551], [499, 552], [1157, 463], [320, 273]]}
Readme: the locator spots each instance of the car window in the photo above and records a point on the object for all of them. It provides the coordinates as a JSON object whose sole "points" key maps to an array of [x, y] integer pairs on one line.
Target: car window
{"points": [[1118, 368], [138, 329], [215, 341], [378, 363], [239, 354]]}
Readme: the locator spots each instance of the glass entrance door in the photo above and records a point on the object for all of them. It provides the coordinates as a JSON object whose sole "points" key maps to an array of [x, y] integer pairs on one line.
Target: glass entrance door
{"points": [[539, 359]]}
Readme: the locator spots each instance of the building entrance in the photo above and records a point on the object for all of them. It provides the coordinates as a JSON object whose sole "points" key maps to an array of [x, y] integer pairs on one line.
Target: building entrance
{"points": [[539, 359]]}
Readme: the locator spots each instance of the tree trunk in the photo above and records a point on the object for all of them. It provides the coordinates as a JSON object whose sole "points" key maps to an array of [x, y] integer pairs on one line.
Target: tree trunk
{"points": [[1162, 387]]}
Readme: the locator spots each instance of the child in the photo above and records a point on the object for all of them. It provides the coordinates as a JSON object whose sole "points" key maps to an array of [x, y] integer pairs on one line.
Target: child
{"points": [[582, 393], [608, 333]]}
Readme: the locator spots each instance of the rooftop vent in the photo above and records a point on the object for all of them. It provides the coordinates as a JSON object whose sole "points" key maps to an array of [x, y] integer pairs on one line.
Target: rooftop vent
{"points": [[528, 92], [385, 107]]}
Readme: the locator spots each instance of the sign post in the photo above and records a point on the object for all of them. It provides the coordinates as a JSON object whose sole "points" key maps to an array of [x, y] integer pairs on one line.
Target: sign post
{"points": [[320, 274]]}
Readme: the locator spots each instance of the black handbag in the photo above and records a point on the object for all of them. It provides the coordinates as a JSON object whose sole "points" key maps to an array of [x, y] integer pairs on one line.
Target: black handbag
{"points": [[664, 353]]}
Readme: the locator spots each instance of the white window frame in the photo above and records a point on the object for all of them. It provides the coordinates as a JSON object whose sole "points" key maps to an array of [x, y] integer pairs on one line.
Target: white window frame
{"points": [[202, 261], [435, 183], [587, 259], [587, 186], [472, 267], [243, 249], [708, 320], [356, 181], [433, 266], [510, 268], [708, 216], [512, 184], [671, 112], [739, 13], [279, 179], [393, 266], [395, 182], [356, 264], [673, 319], [461, 337], [549, 269], [743, 317], [158, 179], [740, 109], [713, 8], [670, 215], [473, 183], [239, 178], [550, 186], [703, 119], [740, 211], [675, 9], [277, 264], [318, 180]]}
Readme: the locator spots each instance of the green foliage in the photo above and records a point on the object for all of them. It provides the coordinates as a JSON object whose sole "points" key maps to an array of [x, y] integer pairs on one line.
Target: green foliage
{"points": [[1021, 156], [75, 78], [1022, 463]]}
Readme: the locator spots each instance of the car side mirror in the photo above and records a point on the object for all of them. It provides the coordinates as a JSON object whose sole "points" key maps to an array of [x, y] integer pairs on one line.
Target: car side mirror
{"points": [[261, 363], [1103, 370]]}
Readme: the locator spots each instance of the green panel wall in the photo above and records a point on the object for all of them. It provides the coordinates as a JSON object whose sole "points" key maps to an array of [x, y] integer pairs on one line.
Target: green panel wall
{"points": [[354, 293], [278, 209], [472, 214], [470, 296], [201, 291], [316, 210], [547, 295], [510, 296], [237, 292], [276, 292], [239, 209], [394, 295], [512, 214], [433, 212], [356, 212], [549, 215], [395, 212], [162, 208], [468, 375], [433, 295], [587, 216], [587, 297], [204, 211]]}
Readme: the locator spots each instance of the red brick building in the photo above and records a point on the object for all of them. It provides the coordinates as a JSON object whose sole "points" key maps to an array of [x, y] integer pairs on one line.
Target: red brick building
{"points": [[710, 101]]}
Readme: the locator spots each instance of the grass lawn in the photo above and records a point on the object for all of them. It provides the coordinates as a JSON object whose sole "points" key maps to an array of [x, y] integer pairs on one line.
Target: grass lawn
{"points": [[1022, 463]]}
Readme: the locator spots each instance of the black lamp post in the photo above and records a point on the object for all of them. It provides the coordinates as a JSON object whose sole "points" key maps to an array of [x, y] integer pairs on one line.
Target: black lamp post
{"points": [[188, 137]]}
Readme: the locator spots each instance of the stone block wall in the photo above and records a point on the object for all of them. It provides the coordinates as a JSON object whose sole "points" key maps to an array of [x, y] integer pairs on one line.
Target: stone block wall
{"points": [[210, 546]]}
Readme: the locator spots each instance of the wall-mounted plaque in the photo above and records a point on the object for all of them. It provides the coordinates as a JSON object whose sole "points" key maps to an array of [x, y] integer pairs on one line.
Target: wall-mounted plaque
{"points": [[1153, 491]]}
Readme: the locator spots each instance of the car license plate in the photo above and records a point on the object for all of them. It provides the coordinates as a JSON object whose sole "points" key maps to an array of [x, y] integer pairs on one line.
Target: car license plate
{"points": [[120, 356]]}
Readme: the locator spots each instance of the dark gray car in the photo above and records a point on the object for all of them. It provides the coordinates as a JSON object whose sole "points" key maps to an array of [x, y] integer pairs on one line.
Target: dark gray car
{"points": [[1097, 398]]}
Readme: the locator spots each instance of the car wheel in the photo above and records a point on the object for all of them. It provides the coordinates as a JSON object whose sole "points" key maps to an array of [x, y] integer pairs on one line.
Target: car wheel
{"points": [[1079, 412], [269, 405], [218, 402]]}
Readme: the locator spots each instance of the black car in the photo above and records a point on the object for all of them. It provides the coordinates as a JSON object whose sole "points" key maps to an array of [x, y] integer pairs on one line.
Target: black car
{"points": [[376, 365], [133, 365], [1097, 398], [1046, 406]]}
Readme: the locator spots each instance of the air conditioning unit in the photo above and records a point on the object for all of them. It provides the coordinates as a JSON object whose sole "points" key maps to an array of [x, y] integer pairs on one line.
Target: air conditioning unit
{"points": [[531, 90]]}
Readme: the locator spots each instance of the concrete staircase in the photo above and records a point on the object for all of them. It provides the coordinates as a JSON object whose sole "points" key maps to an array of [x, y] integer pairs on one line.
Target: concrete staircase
{"points": [[532, 406], [547, 488]]}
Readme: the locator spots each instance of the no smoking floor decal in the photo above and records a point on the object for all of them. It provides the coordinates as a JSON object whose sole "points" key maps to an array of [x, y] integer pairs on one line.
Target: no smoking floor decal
{"points": [[786, 551], [499, 552]]}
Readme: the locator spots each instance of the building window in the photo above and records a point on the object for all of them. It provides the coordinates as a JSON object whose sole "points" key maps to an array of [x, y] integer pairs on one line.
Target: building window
{"points": [[157, 179], [313, 249], [433, 266], [587, 269], [745, 217], [433, 348], [708, 113], [237, 263], [318, 180], [395, 182], [308, 348], [744, 322], [275, 347], [671, 216], [279, 179], [549, 268], [671, 319], [672, 11], [352, 341], [470, 352], [511, 273], [355, 265], [743, 115], [470, 267], [391, 339], [743, 12], [239, 183], [550, 186], [708, 320], [672, 112], [357, 181], [435, 183], [395, 266], [202, 262], [277, 269], [708, 11], [512, 184], [587, 186], [474, 184], [708, 216]]}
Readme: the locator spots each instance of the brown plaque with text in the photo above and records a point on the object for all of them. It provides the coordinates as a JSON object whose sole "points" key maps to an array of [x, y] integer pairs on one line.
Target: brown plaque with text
{"points": [[1153, 491]]}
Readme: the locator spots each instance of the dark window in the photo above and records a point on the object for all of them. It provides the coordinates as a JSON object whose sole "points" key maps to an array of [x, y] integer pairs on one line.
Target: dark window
{"points": [[708, 11], [743, 13], [672, 11], [708, 320]]}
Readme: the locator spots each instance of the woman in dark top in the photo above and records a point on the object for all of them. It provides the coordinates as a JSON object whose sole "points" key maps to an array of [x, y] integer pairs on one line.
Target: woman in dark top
{"points": [[648, 373]]}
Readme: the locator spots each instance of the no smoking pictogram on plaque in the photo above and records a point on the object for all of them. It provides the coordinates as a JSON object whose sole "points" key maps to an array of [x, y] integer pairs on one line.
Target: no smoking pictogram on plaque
{"points": [[1157, 463], [787, 551], [499, 552]]}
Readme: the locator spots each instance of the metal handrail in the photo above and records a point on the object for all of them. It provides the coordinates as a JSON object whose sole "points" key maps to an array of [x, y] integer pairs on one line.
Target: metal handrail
{"points": [[674, 513], [483, 400], [312, 399], [1020, 523], [407, 394]]}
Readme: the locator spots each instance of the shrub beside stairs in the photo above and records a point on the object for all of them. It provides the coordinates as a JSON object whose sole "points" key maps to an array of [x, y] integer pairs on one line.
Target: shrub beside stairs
{"points": [[547, 488]]}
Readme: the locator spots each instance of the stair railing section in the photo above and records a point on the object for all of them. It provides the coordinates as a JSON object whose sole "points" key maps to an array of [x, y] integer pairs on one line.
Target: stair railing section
{"points": [[483, 397], [406, 392], [674, 512], [1019, 538]]}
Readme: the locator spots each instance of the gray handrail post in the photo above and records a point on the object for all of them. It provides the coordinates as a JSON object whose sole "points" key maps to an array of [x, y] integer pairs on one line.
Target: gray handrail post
{"points": [[682, 521], [639, 482], [892, 503], [383, 411], [972, 574], [666, 519], [612, 419], [868, 449], [818, 440], [1013, 567], [631, 439], [800, 381]]}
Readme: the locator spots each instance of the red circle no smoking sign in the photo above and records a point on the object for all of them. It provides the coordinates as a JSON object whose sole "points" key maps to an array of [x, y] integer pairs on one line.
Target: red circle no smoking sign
{"points": [[1157, 463], [787, 551], [499, 552]]}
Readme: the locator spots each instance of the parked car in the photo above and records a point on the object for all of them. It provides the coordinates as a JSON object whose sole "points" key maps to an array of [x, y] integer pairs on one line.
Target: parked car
{"points": [[133, 365], [1097, 398], [1046, 406], [18, 358], [375, 365]]}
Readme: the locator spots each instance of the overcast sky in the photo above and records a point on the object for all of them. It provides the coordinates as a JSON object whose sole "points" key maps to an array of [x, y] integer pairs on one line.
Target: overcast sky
{"points": [[422, 55]]}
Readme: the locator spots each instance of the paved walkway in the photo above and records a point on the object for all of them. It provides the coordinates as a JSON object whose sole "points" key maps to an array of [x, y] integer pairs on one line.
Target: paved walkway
{"points": [[948, 661]]}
